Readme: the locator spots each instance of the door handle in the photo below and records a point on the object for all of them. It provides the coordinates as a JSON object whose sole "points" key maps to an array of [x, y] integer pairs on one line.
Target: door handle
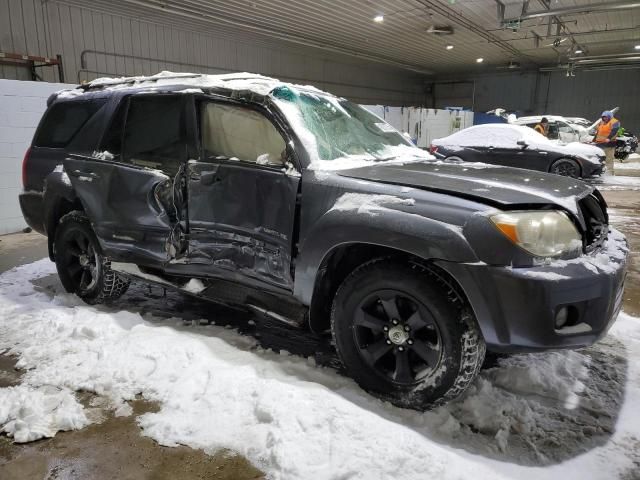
{"points": [[80, 173]]}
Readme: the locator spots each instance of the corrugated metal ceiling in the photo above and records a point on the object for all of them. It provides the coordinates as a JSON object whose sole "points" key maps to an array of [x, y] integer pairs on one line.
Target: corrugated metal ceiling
{"points": [[347, 26]]}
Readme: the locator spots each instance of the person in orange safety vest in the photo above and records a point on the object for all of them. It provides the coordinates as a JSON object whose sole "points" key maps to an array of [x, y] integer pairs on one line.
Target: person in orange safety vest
{"points": [[543, 127], [606, 134]]}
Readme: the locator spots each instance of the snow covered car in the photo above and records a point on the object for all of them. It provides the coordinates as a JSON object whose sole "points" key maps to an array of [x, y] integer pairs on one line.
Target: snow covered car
{"points": [[307, 209], [520, 147]]}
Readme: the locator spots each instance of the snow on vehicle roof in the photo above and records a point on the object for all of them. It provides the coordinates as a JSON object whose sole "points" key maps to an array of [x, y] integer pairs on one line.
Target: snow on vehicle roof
{"points": [[252, 82], [494, 134]]}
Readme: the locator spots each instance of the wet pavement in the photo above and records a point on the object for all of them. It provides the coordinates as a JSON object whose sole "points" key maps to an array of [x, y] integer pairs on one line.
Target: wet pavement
{"points": [[113, 447]]}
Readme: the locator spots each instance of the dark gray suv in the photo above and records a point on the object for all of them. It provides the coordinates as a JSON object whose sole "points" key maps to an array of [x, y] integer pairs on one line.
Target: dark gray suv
{"points": [[303, 207]]}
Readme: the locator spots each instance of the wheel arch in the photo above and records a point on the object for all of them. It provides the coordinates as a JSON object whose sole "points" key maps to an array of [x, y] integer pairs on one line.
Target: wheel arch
{"points": [[58, 200], [343, 259]]}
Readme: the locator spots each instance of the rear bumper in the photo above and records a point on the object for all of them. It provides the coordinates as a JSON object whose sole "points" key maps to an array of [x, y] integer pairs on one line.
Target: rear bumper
{"points": [[516, 307], [32, 207]]}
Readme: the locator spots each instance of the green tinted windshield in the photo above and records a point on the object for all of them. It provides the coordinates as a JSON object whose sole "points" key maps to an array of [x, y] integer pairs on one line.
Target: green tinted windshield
{"points": [[336, 128]]}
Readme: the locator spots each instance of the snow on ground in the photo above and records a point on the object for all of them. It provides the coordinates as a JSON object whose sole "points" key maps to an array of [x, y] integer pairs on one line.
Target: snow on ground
{"points": [[628, 165], [553, 415], [616, 182]]}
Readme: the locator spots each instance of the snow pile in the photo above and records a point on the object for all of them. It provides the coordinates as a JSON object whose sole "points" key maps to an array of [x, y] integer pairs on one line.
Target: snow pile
{"points": [[368, 204], [28, 413], [216, 390], [194, 286]]}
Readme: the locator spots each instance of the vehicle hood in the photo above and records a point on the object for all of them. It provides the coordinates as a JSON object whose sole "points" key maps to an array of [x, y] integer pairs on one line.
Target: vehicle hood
{"points": [[582, 149], [499, 186]]}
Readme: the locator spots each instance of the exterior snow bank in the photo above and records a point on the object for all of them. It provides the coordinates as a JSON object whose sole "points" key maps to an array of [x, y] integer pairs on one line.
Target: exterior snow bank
{"points": [[31, 413]]}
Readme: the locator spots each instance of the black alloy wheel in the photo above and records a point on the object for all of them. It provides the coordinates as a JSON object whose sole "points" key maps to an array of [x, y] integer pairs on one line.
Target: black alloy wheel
{"points": [[81, 266], [404, 334], [80, 258], [397, 336], [566, 167]]}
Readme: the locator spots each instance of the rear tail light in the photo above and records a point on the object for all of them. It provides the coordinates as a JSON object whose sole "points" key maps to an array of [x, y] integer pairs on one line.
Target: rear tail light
{"points": [[24, 167], [433, 148]]}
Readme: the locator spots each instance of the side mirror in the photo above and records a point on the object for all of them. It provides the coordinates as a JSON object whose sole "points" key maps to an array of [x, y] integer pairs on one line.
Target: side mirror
{"points": [[522, 143]]}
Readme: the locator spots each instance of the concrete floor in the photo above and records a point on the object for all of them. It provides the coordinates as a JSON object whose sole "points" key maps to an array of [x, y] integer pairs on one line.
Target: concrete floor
{"points": [[20, 248], [113, 448]]}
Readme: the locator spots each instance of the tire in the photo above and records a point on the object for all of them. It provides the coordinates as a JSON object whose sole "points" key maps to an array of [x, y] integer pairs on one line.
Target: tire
{"points": [[429, 357], [566, 167], [81, 266], [454, 159]]}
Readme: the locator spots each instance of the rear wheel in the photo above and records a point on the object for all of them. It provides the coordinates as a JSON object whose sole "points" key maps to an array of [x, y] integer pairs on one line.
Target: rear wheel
{"points": [[82, 268], [454, 159], [404, 336], [566, 167]]}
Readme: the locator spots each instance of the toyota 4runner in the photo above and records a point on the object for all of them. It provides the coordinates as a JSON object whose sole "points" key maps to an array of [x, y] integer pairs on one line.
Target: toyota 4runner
{"points": [[305, 208]]}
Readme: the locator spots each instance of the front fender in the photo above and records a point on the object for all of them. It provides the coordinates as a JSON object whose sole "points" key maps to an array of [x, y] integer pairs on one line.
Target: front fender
{"points": [[406, 232]]}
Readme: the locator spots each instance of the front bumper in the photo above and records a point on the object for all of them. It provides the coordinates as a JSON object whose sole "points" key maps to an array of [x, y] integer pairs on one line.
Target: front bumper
{"points": [[516, 307], [590, 169]]}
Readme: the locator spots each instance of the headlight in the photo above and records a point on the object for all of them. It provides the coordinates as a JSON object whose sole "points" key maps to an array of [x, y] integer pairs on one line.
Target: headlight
{"points": [[543, 233]]}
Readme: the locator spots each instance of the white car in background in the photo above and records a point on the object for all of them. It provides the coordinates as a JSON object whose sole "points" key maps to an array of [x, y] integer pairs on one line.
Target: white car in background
{"points": [[561, 129]]}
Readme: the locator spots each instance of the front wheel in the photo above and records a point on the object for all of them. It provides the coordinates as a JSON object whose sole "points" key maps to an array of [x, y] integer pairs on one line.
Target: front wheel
{"points": [[404, 336], [566, 167], [82, 268]]}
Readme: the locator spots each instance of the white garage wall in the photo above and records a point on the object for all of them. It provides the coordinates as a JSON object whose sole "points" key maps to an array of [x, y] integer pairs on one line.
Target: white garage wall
{"points": [[423, 124], [21, 106]]}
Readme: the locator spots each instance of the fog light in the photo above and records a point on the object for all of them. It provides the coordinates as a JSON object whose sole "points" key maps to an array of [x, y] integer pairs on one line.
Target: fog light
{"points": [[561, 317]]}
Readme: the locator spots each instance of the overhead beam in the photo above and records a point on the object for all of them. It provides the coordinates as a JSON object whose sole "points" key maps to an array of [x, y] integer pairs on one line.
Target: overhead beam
{"points": [[598, 7]]}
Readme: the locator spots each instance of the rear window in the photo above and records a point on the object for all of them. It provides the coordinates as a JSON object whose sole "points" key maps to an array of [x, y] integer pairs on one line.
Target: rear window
{"points": [[64, 120]]}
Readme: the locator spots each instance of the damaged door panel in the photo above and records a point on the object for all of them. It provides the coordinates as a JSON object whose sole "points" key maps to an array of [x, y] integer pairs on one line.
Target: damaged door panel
{"points": [[241, 219], [130, 208], [241, 201]]}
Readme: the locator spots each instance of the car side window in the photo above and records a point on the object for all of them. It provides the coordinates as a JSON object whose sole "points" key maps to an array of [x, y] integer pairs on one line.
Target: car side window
{"points": [[64, 120], [239, 133], [150, 131]]}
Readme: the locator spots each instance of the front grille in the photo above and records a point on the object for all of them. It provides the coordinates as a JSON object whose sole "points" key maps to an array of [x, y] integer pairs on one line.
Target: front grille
{"points": [[596, 220]]}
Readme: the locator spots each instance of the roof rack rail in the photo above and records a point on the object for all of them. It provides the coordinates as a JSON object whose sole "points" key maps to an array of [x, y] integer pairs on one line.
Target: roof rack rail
{"points": [[133, 80]]}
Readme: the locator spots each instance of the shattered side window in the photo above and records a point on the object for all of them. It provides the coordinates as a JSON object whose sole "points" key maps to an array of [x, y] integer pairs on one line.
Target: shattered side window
{"points": [[155, 132], [232, 132]]}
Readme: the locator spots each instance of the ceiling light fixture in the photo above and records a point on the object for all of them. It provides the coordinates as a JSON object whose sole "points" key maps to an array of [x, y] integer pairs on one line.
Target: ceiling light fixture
{"points": [[378, 18], [578, 51], [479, 60], [637, 47], [449, 47]]}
